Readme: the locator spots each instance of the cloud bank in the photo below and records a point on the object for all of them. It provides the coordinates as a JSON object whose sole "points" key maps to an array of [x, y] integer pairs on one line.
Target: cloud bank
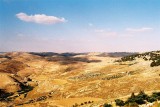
{"points": [[144, 29], [40, 18], [105, 33]]}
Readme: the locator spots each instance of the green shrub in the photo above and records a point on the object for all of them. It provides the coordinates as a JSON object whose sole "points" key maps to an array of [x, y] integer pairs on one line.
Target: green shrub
{"points": [[107, 105], [151, 99], [119, 102], [139, 99], [4, 95], [82, 104], [156, 95], [156, 61], [85, 102], [75, 105], [131, 99], [143, 95], [89, 101]]}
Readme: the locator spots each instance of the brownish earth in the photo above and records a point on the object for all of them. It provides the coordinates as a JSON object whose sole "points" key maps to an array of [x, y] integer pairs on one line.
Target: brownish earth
{"points": [[63, 81]]}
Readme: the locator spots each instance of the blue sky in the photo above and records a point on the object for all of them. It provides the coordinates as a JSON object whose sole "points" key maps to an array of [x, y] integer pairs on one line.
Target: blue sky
{"points": [[79, 25]]}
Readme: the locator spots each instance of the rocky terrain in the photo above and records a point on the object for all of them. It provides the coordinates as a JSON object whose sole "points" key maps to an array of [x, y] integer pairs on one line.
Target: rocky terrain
{"points": [[75, 79]]}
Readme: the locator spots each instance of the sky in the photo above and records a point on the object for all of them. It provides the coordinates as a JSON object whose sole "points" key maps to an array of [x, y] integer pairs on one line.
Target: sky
{"points": [[79, 25]]}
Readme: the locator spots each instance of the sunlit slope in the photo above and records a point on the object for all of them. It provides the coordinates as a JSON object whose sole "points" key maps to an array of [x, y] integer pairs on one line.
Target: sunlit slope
{"points": [[53, 79]]}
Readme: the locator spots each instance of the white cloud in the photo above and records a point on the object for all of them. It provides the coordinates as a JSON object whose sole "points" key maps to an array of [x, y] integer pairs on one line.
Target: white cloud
{"points": [[99, 30], [105, 32], [90, 24], [111, 33], [144, 29], [40, 18], [20, 35]]}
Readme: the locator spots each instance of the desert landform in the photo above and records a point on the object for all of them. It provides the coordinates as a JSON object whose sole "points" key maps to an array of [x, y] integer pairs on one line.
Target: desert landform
{"points": [[47, 79]]}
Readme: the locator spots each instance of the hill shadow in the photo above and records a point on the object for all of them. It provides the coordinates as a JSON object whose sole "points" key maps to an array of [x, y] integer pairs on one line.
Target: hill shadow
{"points": [[64, 58]]}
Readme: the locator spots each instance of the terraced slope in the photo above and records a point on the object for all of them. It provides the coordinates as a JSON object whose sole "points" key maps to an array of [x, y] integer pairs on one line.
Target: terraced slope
{"points": [[66, 80]]}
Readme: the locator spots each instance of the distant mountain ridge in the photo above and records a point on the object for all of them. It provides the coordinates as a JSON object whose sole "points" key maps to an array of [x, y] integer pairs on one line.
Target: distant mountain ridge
{"points": [[116, 54], [2, 52]]}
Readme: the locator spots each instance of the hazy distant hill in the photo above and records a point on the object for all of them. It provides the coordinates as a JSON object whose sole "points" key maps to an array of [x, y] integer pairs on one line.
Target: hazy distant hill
{"points": [[117, 54], [2, 52], [48, 54], [104, 54]]}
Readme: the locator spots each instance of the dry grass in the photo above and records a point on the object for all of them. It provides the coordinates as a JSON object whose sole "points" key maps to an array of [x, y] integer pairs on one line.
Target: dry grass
{"points": [[82, 81]]}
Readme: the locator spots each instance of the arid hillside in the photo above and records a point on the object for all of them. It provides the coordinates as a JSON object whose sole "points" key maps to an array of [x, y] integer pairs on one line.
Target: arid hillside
{"points": [[75, 79]]}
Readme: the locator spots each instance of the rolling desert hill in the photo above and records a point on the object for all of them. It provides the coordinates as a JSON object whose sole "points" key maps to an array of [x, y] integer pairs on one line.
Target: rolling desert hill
{"points": [[75, 79]]}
